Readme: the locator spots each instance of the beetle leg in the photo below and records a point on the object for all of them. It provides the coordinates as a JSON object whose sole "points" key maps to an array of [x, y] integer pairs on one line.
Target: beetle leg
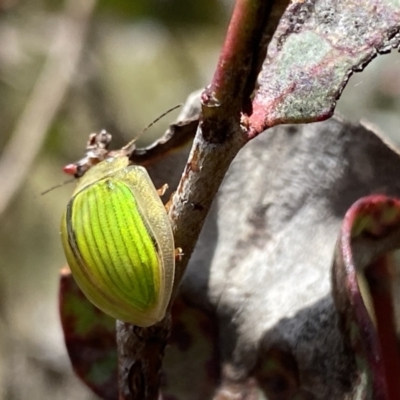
{"points": [[162, 189], [179, 253], [168, 204]]}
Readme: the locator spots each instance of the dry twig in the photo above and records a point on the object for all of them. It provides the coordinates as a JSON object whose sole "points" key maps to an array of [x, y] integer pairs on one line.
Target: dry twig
{"points": [[46, 98]]}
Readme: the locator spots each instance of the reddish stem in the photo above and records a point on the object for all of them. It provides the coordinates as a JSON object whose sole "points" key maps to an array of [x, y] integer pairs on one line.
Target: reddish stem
{"points": [[231, 86]]}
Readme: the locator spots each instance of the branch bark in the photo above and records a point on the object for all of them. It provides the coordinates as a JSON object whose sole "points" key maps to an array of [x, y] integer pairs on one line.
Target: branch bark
{"points": [[219, 138]]}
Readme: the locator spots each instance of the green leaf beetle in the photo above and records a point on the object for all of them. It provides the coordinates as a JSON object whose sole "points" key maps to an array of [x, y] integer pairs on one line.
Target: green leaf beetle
{"points": [[118, 242]]}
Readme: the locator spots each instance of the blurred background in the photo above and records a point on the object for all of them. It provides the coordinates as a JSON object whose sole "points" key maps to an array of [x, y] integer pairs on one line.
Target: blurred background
{"points": [[69, 68]]}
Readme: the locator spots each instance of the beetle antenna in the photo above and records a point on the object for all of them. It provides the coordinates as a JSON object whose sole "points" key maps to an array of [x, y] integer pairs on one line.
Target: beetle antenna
{"points": [[57, 186], [150, 125]]}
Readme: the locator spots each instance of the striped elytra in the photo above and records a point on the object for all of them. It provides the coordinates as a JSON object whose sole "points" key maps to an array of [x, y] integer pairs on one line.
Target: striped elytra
{"points": [[118, 242]]}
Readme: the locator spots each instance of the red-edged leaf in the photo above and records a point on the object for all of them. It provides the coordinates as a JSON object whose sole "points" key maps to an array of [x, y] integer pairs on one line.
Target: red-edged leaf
{"points": [[263, 261], [191, 361], [315, 49], [363, 283], [90, 339]]}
